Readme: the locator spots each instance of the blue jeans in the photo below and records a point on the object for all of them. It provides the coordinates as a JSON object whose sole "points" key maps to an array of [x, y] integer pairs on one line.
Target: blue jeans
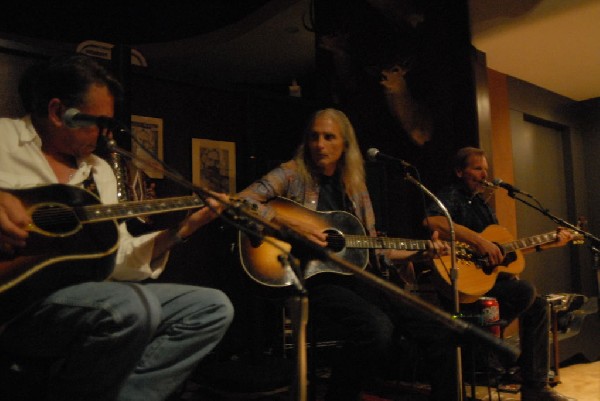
{"points": [[120, 341]]}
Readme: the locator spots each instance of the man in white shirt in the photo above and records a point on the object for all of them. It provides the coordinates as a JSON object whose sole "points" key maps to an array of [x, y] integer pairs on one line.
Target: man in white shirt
{"points": [[112, 339]]}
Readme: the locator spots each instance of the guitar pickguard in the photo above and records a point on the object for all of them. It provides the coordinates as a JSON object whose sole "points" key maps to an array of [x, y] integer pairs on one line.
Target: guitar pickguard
{"points": [[262, 260]]}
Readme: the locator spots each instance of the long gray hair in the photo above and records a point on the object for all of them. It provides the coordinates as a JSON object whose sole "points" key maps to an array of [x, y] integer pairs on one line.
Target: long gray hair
{"points": [[351, 164]]}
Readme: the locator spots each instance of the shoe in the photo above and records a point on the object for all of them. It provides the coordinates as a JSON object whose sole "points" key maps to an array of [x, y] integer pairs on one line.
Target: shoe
{"points": [[542, 394]]}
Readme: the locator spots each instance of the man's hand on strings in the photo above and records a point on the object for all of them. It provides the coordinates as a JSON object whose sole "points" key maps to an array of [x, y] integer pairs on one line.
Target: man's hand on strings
{"points": [[304, 228], [563, 237], [14, 221], [490, 250], [437, 247]]}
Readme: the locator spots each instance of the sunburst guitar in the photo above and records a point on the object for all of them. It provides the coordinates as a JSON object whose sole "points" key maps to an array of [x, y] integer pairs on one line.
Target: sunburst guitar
{"points": [[346, 237]]}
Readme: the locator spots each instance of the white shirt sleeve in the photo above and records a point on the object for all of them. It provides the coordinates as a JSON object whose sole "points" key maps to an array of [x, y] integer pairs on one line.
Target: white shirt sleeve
{"points": [[133, 260], [23, 165]]}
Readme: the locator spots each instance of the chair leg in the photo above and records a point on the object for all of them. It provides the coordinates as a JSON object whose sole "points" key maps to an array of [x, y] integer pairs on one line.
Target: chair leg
{"points": [[312, 364], [473, 375]]}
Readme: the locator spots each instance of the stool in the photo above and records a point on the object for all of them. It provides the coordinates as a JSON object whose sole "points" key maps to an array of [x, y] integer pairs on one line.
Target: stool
{"points": [[560, 304], [491, 381], [486, 316]]}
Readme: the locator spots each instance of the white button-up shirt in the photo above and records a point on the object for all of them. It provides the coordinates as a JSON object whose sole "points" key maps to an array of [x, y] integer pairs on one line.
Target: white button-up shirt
{"points": [[23, 165]]}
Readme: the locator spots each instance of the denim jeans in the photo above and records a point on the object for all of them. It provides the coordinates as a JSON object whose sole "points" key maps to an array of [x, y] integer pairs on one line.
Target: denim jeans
{"points": [[120, 341], [374, 331]]}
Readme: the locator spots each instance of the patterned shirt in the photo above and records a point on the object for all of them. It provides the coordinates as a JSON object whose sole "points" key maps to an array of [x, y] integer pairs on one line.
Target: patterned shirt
{"points": [[285, 181]]}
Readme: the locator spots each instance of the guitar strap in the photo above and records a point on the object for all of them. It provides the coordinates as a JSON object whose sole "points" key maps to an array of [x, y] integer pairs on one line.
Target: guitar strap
{"points": [[89, 184]]}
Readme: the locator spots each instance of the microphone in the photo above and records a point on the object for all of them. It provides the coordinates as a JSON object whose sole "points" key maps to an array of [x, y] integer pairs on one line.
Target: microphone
{"points": [[73, 118], [499, 183], [373, 154], [488, 184], [510, 188]]}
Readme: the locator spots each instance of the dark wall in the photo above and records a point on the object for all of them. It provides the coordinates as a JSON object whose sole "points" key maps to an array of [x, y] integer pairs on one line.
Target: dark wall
{"points": [[577, 121], [436, 52]]}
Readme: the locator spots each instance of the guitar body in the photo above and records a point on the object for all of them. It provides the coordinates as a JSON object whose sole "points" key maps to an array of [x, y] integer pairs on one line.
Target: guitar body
{"points": [[261, 261], [60, 251], [475, 277]]}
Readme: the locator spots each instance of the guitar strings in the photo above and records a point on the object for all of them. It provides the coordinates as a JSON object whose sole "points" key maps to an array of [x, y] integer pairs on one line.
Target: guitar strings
{"points": [[46, 215]]}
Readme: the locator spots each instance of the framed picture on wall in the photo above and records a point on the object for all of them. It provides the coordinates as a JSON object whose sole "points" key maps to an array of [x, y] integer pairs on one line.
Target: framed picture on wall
{"points": [[148, 131], [213, 165]]}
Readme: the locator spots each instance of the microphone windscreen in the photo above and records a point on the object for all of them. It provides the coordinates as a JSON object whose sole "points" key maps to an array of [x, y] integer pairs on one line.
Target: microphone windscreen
{"points": [[69, 116], [372, 154]]}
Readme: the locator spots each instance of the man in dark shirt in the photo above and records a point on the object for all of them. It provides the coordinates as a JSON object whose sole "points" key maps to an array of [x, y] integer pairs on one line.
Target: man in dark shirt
{"points": [[471, 214]]}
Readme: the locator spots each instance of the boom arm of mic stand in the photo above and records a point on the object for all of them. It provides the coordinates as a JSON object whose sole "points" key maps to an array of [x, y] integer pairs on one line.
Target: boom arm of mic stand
{"points": [[168, 171], [298, 304], [558, 220]]}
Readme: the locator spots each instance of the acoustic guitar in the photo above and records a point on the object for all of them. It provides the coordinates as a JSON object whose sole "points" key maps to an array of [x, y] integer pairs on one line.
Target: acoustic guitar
{"points": [[475, 275], [346, 237], [73, 239]]}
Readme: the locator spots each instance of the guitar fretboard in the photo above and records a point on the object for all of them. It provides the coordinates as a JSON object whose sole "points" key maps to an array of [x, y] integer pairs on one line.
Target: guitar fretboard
{"points": [[358, 241], [137, 208], [529, 242]]}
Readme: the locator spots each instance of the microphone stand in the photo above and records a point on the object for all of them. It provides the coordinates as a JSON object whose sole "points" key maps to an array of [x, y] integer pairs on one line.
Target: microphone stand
{"points": [[298, 303], [561, 222], [453, 273], [298, 307], [312, 251], [595, 241]]}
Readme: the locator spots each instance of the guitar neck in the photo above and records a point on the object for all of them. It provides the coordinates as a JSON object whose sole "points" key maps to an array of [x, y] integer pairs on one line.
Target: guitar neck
{"points": [[95, 213], [529, 242], [361, 241]]}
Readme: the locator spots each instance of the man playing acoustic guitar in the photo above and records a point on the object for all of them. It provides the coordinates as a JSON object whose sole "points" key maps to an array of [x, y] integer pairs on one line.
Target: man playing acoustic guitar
{"points": [[327, 174], [102, 340], [517, 298]]}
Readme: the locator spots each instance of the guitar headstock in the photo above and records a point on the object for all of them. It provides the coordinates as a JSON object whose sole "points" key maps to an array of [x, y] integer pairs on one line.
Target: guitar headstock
{"points": [[578, 238]]}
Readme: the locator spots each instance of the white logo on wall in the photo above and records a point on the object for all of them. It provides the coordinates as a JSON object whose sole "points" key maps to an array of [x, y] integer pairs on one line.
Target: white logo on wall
{"points": [[103, 50]]}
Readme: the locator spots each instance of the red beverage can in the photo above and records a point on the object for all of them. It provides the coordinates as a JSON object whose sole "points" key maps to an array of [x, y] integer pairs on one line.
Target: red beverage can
{"points": [[490, 314]]}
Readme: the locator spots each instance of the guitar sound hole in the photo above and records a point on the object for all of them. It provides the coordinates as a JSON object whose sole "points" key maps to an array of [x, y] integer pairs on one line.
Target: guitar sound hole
{"points": [[56, 219], [335, 240]]}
